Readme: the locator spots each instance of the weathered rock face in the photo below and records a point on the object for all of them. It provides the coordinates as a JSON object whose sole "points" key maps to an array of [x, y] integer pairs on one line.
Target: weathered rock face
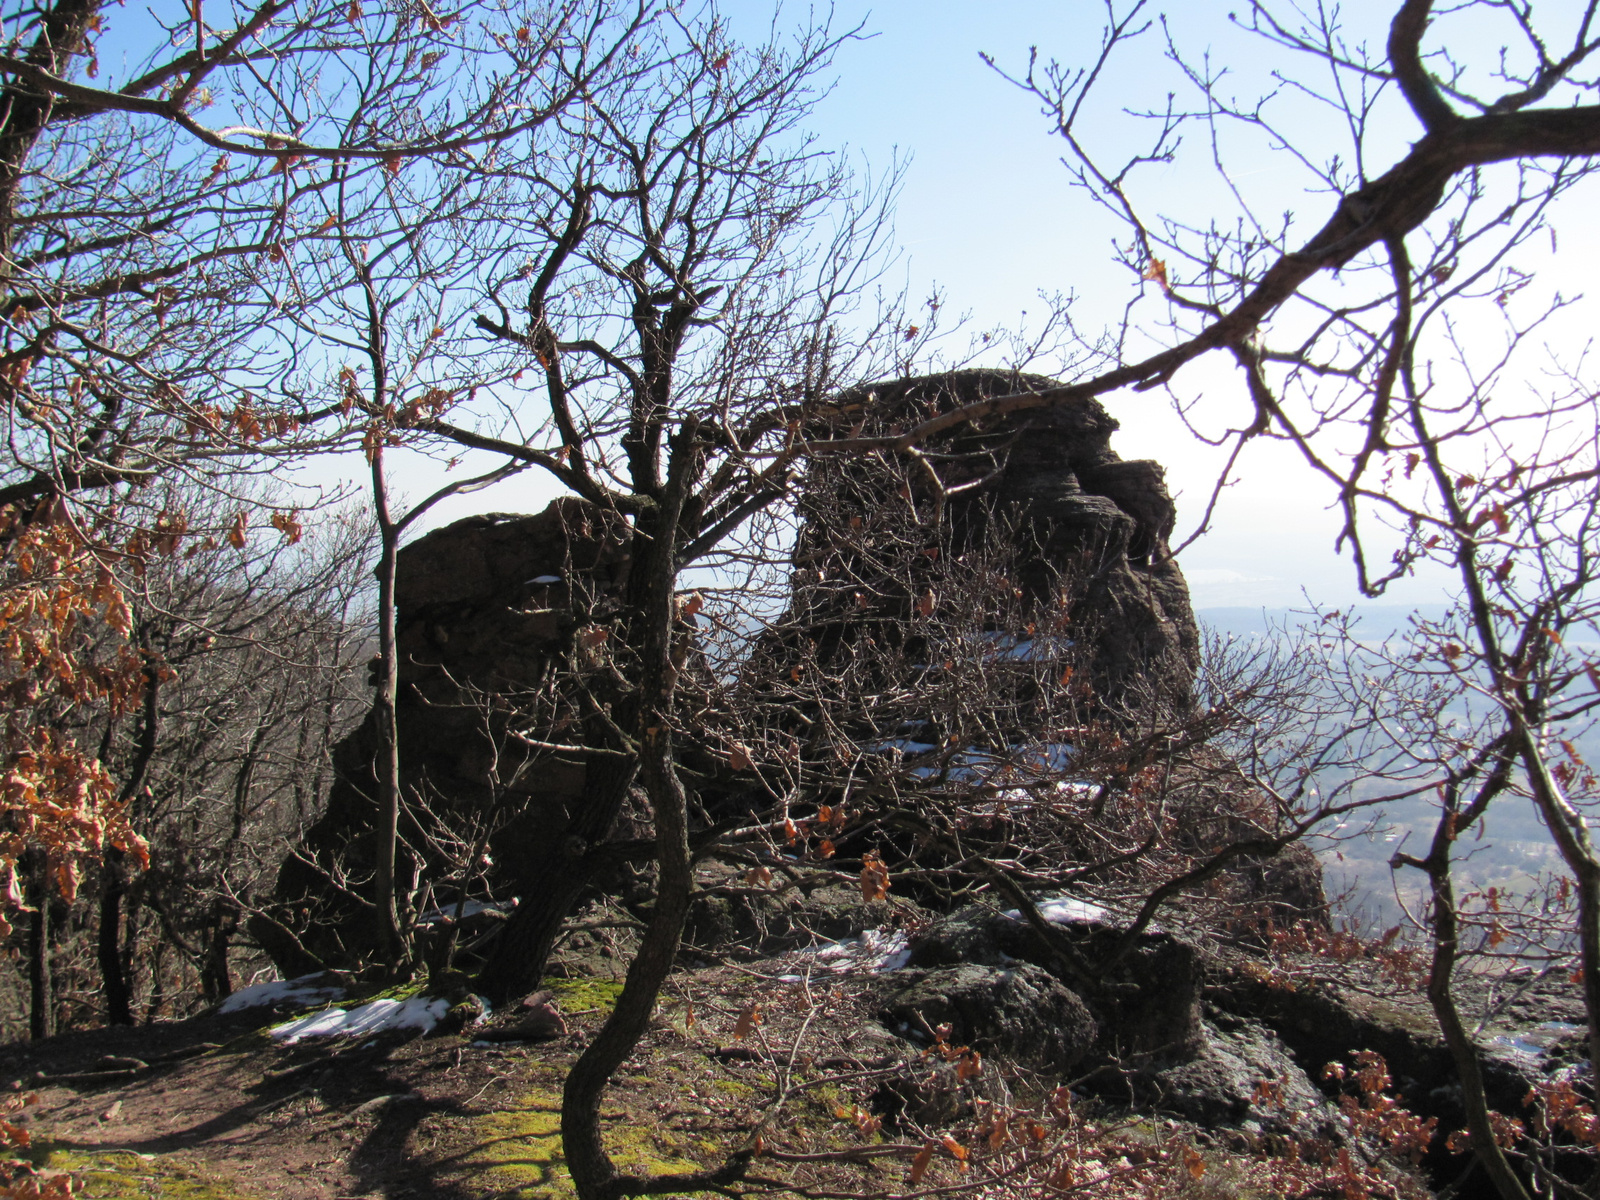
{"points": [[1084, 526], [729, 916], [1147, 1005], [487, 609], [1021, 1011]]}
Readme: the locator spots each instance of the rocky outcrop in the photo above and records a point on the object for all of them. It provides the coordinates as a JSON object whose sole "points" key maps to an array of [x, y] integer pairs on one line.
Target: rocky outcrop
{"points": [[1021, 1011], [729, 916], [1146, 1001], [491, 611], [1079, 532], [487, 612]]}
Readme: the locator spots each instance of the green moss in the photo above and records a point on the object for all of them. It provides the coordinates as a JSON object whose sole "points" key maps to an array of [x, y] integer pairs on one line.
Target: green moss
{"points": [[519, 1149], [125, 1175], [586, 993], [400, 991]]}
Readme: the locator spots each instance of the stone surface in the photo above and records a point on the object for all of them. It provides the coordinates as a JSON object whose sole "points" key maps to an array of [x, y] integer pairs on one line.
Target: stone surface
{"points": [[1147, 1003], [1082, 521], [487, 609], [731, 915], [1021, 1011], [1243, 1073]]}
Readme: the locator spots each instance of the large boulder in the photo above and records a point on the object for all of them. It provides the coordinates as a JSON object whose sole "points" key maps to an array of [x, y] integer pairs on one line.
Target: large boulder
{"points": [[731, 915], [1146, 1000], [1021, 1011], [487, 609], [1242, 1075], [1087, 530], [491, 711]]}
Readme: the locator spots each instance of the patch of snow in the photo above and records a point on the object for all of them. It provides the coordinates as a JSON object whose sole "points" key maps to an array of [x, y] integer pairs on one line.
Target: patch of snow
{"points": [[875, 950], [1008, 647], [545, 579], [1070, 910], [1018, 765], [303, 992], [1532, 1043], [904, 745], [471, 908], [1064, 790], [420, 1013]]}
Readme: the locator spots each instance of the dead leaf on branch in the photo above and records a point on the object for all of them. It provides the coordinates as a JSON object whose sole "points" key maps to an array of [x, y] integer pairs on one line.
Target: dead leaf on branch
{"points": [[1155, 271], [749, 1018], [874, 877]]}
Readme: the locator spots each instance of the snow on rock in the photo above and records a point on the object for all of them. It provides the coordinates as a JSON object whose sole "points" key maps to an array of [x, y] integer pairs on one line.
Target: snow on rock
{"points": [[1067, 910], [1528, 1046], [302, 992], [419, 1013], [875, 950], [1070, 910], [471, 908]]}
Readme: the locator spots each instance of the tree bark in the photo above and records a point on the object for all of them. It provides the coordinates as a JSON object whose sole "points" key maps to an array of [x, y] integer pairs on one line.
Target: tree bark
{"points": [[113, 870], [552, 882], [653, 583], [216, 981], [1463, 1052], [113, 971], [41, 1001], [385, 702], [26, 111]]}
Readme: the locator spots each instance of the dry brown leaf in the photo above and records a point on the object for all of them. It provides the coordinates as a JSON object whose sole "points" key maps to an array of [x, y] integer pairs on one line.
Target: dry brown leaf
{"points": [[919, 1164], [749, 1018], [874, 877]]}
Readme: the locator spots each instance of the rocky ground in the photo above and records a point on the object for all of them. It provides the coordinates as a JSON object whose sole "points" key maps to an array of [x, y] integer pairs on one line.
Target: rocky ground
{"points": [[965, 1067]]}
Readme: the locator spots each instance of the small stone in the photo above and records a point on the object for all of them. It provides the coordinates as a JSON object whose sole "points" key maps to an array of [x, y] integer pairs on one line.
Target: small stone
{"points": [[538, 1018], [118, 1062]]}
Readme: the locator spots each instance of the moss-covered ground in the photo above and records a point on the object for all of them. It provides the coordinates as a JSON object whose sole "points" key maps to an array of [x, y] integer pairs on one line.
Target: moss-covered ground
{"points": [[518, 1149], [128, 1175]]}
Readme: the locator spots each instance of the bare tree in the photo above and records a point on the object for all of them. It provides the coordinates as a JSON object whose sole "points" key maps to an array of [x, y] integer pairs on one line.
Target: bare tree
{"points": [[250, 652], [681, 266], [152, 235], [1382, 347]]}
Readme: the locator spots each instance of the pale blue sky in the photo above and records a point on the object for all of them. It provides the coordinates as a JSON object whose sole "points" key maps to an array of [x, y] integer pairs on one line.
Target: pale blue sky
{"points": [[987, 216]]}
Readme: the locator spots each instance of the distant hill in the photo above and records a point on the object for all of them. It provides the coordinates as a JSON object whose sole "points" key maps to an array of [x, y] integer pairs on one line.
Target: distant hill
{"points": [[1510, 849], [1377, 620]]}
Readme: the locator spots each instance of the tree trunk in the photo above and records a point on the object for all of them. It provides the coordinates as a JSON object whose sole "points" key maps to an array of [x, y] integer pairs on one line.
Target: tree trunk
{"points": [[551, 883], [41, 1009], [593, 1174], [113, 871], [24, 112], [216, 982], [384, 707], [1463, 1052], [652, 585], [113, 971]]}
